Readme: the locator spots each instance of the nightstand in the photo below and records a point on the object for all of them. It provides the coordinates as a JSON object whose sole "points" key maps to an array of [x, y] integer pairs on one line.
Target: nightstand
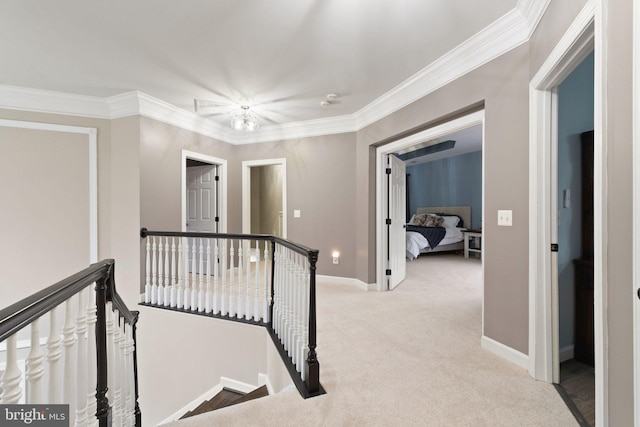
{"points": [[472, 242]]}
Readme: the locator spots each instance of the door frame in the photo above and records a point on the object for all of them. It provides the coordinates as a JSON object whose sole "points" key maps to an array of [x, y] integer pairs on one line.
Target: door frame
{"points": [[584, 34], [246, 191], [454, 125], [222, 196]]}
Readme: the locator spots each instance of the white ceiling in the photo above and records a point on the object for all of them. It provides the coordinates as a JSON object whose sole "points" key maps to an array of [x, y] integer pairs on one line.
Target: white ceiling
{"points": [[280, 57]]}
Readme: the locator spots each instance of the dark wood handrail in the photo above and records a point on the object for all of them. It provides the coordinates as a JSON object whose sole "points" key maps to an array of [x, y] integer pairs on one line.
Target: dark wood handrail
{"points": [[16, 316], [19, 315], [301, 249]]}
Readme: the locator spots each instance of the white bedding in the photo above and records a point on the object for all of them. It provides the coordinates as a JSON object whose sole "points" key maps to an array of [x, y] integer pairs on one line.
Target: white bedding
{"points": [[416, 241]]}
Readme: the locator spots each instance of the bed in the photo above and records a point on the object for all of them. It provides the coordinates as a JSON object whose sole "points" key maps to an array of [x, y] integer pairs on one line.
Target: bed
{"points": [[450, 235]]}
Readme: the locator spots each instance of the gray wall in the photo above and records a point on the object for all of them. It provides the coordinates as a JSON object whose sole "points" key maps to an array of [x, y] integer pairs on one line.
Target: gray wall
{"points": [[454, 181], [502, 86], [617, 139], [575, 115]]}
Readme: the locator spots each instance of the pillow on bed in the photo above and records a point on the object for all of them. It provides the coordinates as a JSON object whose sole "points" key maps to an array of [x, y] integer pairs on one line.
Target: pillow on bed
{"points": [[450, 221], [426, 220]]}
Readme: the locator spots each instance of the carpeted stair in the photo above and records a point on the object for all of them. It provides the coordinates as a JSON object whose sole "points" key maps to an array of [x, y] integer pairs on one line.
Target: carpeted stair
{"points": [[226, 397]]}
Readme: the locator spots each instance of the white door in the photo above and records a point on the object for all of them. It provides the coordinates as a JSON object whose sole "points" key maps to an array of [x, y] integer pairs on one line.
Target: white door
{"points": [[202, 202], [202, 195], [396, 220]]}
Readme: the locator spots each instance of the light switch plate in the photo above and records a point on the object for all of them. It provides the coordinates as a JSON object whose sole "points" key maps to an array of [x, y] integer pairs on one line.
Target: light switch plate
{"points": [[505, 218], [296, 213]]}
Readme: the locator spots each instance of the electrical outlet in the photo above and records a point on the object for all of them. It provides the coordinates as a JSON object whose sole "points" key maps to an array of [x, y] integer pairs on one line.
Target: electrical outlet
{"points": [[336, 260], [505, 218]]}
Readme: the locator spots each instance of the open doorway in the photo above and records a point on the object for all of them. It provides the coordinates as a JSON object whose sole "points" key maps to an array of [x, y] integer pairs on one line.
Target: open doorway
{"points": [[401, 147], [579, 41], [575, 292], [204, 193], [264, 197]]}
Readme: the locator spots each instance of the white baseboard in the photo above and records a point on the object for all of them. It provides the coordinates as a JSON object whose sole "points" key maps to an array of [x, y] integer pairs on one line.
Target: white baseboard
{"points": [[263, 379], [566, 353], [224, 382], [507, 353], [347, 281]]}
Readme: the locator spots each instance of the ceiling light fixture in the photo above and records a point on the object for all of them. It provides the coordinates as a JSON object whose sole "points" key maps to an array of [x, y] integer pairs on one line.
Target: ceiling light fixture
{"points": [[244, 120]]}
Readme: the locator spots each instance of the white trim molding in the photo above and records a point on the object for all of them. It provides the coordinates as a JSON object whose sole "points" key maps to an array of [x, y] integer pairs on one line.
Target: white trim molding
{"points": [[222, 201], [246, 191], [460, 123], [505, 352], [92, 135], [506, 33], [583, 36]]}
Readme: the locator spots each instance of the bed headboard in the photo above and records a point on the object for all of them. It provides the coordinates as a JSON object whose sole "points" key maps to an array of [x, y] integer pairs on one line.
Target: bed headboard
{"points": [[463, 212]]}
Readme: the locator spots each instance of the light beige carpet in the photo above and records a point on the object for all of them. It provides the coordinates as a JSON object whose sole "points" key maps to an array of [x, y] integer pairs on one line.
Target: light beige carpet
{"points": [[407, 357]]}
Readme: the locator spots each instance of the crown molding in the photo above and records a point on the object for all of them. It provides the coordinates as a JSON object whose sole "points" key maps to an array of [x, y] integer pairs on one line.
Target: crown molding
{"points": [[46, 101], [505, 34]]}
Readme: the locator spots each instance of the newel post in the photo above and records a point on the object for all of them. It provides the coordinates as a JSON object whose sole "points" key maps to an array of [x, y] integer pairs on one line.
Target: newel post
{"points": [[103, 412], [313, 378]]}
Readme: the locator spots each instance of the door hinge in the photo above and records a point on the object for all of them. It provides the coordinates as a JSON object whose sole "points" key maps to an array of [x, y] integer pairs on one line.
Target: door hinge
{"points": [[388, 221], [554, 247], [217, 219], [217, 178], [388, 272], [388, 171]]}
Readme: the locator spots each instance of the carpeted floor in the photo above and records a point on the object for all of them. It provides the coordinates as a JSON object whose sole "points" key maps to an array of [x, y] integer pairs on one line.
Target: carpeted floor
{"points": [[405, 358]]}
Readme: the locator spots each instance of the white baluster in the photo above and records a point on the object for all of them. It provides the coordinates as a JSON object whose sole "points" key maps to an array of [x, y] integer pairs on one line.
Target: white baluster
{"points": [[172, 297], [69, 343], [265, 285], [179, 294], [216, 273], [10, 382], [240, 310], [154, 271], [187, 292], [256, 301], [147, 282], [128, 377], [207, 307], [35, 367], [81, 368], [167, 281], [54, 354], [92, 374], [200, 278], [223, 269], [232, 301], [194, 280], [122, 371], [113, 362], [248, 309], [160, 296]]}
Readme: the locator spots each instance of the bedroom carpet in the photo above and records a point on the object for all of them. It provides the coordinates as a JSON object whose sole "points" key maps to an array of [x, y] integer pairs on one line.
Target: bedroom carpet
{"points": [[407, 357]]}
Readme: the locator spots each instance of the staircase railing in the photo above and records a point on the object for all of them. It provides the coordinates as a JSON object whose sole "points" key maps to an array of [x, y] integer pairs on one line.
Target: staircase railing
{"points": [[258, 279], [89, 362]]}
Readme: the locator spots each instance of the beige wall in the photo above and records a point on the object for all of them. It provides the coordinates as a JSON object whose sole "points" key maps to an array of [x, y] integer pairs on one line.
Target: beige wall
{"points": [[502, 85], [44, 218], [321, 184], [617, 139]]}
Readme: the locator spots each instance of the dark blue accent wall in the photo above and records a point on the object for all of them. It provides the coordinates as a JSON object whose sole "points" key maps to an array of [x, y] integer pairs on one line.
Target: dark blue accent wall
{"points": [[575, 115], [456, 181]]}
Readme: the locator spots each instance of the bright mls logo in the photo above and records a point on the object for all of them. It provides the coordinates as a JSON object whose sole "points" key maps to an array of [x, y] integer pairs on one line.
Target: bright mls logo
{"points": [[34, 415]]}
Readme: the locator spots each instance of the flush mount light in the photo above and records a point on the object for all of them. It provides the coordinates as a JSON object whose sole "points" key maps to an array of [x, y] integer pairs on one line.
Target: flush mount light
{"points": [[243, 120]]}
